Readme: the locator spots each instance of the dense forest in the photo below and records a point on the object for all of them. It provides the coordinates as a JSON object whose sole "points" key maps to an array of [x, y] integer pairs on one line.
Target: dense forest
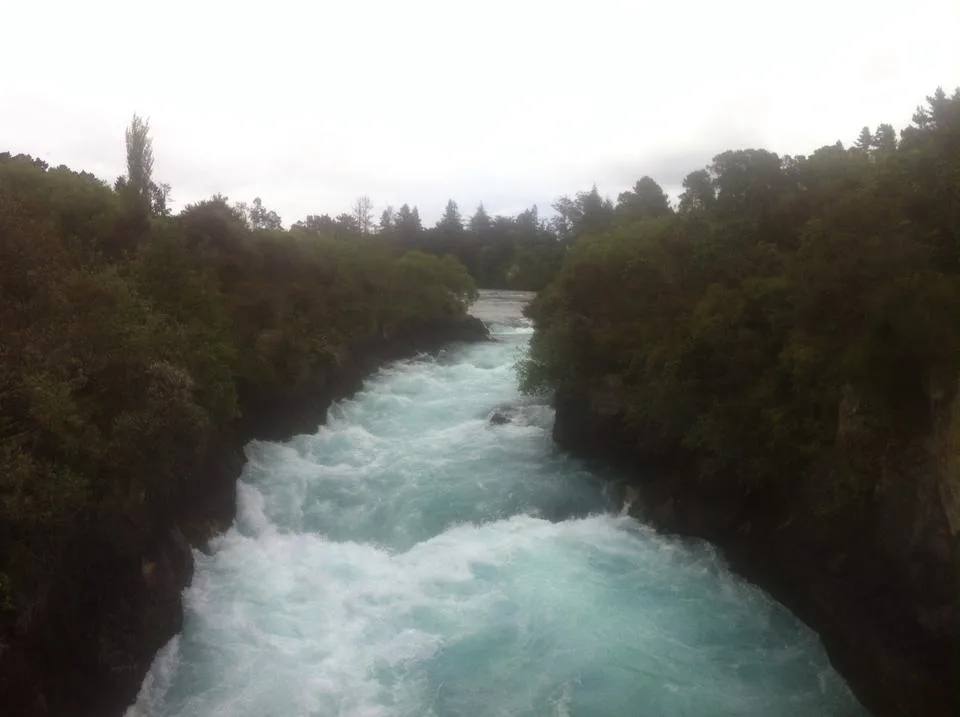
{"points": [[776, 358], [128, 336], [734, 324]]}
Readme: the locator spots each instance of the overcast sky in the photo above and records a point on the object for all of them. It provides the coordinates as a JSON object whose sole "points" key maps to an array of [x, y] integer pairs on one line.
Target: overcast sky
{"points": [[513, 102]]}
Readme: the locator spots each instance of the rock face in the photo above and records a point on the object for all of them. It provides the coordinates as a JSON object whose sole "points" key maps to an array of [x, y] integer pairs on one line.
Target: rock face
{"points": [[878, 579], [113, 598]]}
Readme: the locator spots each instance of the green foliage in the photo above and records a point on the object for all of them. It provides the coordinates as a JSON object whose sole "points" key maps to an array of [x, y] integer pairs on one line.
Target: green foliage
{"points": [[442, 283], [139, 164], [646, 200], [521, 252], [125, 345], [262, 218], [737, 326], [499, 253], [451, 222]]}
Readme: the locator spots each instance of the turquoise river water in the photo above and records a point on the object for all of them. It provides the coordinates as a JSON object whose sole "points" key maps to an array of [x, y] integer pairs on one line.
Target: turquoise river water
{"points": [[409, 559]]}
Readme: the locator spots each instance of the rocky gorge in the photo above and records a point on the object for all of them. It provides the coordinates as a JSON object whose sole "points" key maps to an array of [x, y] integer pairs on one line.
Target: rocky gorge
{"points": [[115, 596], [877, 579]]}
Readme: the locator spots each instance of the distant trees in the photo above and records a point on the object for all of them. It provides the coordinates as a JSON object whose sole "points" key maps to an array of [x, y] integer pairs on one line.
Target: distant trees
{"points": [[452, 221], [586, 213], [646, 200], [407, 222], [865, 141], [528, 221], [885, 138], [344, 226], [160, 199], [521, 252], [320, 224], [698, 194], [387, 220], [363, 214], [347, 224], [263, 218], [480, 221]]}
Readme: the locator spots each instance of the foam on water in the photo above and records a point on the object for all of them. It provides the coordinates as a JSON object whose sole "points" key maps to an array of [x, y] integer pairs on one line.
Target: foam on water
{"points": [[410, 559]]}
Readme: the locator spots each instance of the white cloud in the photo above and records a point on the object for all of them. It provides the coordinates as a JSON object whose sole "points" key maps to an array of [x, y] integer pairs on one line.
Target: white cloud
{"points": [[310, 104]]}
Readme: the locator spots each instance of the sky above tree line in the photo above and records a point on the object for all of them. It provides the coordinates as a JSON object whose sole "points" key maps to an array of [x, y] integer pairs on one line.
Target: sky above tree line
{"points": [[309, 105]]}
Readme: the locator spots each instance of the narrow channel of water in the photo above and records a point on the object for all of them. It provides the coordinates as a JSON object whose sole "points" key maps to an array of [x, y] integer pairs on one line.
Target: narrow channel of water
{"points": [[412, 560]]}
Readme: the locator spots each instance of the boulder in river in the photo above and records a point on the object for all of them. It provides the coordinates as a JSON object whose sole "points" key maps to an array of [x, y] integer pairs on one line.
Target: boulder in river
{"points": [[502, 415]]}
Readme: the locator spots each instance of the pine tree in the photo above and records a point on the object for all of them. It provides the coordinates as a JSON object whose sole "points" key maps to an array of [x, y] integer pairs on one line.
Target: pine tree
{"points": [[451, 221]]}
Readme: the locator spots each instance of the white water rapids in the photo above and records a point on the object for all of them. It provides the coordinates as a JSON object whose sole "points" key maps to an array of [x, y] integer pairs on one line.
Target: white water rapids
{"points": [[410, 559]]}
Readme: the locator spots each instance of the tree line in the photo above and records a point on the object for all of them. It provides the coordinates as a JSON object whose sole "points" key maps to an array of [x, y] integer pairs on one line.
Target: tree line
{"points": [[738, 326], [499, 252], [129, 337]]}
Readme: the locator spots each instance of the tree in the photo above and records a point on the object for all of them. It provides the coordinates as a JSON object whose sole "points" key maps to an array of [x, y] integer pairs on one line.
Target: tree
{"points": [[347, 224], [321, 224], [567, 216], [480, 221], [940, 106], [885, 138], [407, 221], [596, 212], [241, 209], [137, 187], [528, 223], [35, 161], [363, 214], [865, 140], [387, 220], [646, 200], [699, 194], [746, 180], [451, 222], [261, 218], [588, 213], [160, 198]]}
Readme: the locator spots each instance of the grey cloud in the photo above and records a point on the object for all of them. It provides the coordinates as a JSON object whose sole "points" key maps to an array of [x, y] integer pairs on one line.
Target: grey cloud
{"points": [[408, 105]]}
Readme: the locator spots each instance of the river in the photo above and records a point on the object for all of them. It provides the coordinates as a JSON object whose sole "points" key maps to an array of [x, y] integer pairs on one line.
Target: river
{"points": [[409, 559]]}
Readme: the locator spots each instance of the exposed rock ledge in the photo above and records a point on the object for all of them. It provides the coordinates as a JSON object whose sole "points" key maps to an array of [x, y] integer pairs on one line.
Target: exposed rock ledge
{"points": [[878, 581], [114, 598]]}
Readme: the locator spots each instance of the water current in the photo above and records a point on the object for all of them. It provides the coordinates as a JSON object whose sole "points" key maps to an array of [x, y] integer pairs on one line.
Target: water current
{"points": [[411, 559]]}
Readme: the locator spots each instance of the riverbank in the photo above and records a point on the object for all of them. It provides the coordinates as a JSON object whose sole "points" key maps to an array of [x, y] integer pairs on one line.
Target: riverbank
{"points": [[869, 578], [775, 361], [90, 636], [138, 353]]}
